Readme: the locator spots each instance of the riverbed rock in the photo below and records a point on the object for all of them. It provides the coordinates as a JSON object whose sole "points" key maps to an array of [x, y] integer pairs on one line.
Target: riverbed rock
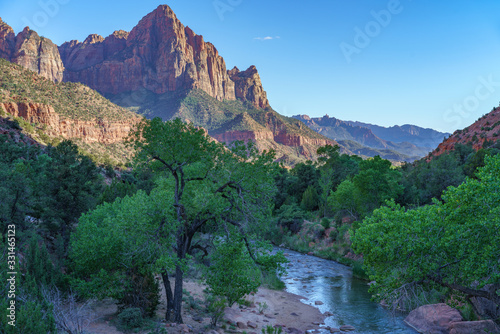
{"points": [[318, 302], [434, 318], [292, 330], [241, 325], [347, 328], [252, 324], [468, 327]]}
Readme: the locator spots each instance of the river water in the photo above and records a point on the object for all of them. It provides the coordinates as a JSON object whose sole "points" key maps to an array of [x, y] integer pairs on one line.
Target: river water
{"points": [[341, 294]]}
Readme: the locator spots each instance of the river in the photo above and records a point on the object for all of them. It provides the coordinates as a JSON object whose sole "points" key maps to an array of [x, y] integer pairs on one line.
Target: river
{"points": [[341, 294]]}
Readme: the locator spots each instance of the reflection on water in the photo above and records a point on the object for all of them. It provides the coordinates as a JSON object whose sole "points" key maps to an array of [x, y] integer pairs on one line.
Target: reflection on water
{"points": [[341, 294]]}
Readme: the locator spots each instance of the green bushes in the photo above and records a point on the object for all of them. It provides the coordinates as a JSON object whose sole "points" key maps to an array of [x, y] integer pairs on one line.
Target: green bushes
{"points": [[291, 217], [131, 318]]}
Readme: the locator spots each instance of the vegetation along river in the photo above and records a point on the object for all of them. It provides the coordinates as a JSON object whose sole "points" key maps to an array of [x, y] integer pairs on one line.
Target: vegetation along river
{"points": [[346, 297]]}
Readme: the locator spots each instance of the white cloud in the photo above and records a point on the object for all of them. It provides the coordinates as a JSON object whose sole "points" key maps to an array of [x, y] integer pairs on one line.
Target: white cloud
{"points": [[267, 38]]}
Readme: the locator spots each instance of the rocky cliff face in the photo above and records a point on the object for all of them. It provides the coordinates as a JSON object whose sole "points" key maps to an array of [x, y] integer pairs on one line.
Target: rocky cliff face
{"points": [[30, 50], [94, 131], [487, 128], [249, 87], [159, 54]]}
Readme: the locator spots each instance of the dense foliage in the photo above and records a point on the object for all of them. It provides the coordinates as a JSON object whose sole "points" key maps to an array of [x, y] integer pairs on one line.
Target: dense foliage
{"points": [[190, 199], [454, 242]]}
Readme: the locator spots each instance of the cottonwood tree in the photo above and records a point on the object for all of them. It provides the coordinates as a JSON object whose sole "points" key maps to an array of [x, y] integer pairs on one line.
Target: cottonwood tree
{"points": [[211, 188], [117, 241], [454, 243]]}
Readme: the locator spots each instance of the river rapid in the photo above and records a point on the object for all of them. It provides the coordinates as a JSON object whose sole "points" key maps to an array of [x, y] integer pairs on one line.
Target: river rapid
{"points": [[341, 294]]}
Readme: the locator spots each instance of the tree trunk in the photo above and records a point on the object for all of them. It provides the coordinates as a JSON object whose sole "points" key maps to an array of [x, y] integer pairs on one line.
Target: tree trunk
{"points": [[178, 294], [168, 292], [182, 242]]}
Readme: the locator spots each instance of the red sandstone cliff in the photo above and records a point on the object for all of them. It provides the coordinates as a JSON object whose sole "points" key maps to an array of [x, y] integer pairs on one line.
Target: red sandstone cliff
{"points": [[487, 128], [30, 50], [93, 131], [159, 54], [249, 87]]}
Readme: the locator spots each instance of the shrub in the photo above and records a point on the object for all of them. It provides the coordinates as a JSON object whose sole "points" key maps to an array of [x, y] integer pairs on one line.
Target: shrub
{"points": [[310, 199], [325, 222], [291, 217], [131, 318], [142, 292]]}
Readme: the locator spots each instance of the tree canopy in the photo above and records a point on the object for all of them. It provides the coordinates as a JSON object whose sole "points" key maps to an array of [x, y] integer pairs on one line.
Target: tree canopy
{"points": [[454, 243]]}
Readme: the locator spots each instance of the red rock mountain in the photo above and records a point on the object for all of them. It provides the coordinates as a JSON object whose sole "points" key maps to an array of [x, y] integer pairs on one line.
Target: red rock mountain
{"points": [[158, 69], [487, 128], [28, 49], [161, 55]]}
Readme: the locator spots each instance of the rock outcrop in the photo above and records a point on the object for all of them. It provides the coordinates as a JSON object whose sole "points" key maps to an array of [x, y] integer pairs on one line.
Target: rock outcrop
{"points": [[435, 318], [30, 50], [230, 136], [443, 319], [92, 131], [247, 86]]}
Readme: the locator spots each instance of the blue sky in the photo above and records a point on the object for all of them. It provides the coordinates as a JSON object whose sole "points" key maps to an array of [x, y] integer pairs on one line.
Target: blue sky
{"points": [[424, 62]]}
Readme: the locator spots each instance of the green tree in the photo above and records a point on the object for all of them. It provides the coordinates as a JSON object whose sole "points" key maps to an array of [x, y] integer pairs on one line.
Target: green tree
{"points": [[454, 243], [232, 274], [334, 169], [211, 187], [120, 241], [375, 183], [306, 175], [67, 187], [426, 180], [345, 200], [310, 199], [338, 167]]}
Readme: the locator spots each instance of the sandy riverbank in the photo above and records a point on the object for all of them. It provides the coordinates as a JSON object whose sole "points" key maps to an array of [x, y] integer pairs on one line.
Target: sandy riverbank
{"points": [[283, 309]]}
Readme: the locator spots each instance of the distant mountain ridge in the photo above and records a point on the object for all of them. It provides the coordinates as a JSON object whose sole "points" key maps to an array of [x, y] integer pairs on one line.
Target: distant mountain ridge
{"points": [[407, 142], [423, 137]]}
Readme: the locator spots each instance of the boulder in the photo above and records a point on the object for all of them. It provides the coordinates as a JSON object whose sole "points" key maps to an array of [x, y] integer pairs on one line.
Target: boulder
{"points": [[252, 324], [241, 325], [485, 307], [433, 319]]}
